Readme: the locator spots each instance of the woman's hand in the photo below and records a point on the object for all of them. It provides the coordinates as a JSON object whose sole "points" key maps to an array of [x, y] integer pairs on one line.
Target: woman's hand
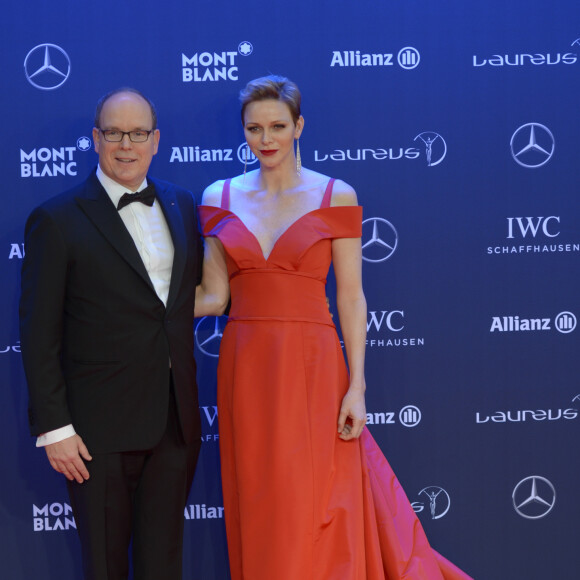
{"points": [[353, 416]]}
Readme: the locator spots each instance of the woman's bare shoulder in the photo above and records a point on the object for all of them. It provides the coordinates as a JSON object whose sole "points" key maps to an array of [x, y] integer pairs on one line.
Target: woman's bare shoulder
{"points": [[212, 194], [343, 194]]}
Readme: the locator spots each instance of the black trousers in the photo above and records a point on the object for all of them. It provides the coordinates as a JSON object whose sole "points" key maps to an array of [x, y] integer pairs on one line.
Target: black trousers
{"points": [[140, 497]]}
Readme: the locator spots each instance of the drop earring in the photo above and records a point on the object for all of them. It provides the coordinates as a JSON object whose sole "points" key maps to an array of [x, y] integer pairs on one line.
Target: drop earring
{"points": [[246, 152], [298, 159]]}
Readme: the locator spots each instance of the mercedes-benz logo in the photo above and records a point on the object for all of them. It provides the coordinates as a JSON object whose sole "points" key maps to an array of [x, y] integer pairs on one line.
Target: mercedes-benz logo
{"points": [[382, 239], [439, 501], [410, 416], [208, 334], [532, 145], [435, 147], [534, 497], [244, 152], [47, 67], [565, 322]]}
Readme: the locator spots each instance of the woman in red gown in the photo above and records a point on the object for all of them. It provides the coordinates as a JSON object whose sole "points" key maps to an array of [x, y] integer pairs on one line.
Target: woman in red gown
{"points": [[307, 493]]}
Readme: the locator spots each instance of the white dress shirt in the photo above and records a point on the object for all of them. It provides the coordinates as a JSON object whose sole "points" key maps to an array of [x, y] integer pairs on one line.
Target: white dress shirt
{"points": [[152, 238]]}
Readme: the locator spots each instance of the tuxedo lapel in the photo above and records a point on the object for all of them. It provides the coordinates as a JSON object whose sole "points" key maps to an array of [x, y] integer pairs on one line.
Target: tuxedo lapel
{"points": [[99, 208], [170, 207]]}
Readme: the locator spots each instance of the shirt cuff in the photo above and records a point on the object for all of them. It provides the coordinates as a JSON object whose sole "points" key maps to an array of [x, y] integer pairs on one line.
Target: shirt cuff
{"points": [[55, 436]]}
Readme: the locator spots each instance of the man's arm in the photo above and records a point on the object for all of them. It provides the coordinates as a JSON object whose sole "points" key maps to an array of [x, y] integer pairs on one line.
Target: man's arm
{"points": [[44, 272]]}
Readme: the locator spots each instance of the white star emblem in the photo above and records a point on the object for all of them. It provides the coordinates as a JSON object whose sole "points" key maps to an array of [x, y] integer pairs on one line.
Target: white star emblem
{"points": [[245, 48], [83, 143]]}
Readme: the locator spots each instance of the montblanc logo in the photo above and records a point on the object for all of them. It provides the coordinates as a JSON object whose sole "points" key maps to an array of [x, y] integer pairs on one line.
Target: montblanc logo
{"points": [[408, 416], [407, 58], [528, 415], [52, 517], [540, 233], [433, 149], [384, 328], [52, 161], [529, 59], [214, 66], [565, 322]]}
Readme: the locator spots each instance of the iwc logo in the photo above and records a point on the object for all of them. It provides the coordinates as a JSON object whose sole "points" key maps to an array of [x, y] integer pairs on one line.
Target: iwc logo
{"points": [[534, 235], [47, 67], [534, 497]]}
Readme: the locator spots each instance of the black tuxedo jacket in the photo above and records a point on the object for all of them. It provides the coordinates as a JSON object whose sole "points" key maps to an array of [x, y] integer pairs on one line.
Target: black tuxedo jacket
{"points": [[96, 339]]}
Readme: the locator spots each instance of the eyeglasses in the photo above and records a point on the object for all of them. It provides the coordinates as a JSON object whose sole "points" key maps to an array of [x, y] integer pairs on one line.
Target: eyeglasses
{"points": [[116, 136]]}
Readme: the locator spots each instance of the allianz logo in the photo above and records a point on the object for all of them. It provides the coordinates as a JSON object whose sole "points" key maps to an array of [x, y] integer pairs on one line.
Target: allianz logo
{"points": [[203, 512], [195, 154], [16, 251], [521, 415], [565, 322], [409, 416]]}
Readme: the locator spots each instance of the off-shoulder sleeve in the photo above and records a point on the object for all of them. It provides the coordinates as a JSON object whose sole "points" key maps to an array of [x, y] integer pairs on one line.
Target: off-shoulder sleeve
{"points": [[213, 219], [342, 221]]}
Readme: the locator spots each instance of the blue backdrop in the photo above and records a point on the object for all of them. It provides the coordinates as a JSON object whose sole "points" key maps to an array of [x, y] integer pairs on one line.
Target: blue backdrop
{"points": [[457, 123]]}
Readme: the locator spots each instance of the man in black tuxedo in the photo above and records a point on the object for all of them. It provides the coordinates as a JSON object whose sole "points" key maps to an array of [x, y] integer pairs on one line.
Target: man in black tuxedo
{"points": [[108, 292]]}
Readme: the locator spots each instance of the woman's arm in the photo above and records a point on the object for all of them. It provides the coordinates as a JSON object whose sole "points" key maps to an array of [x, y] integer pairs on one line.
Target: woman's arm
{"points": [[352, 312], [213, 293]]}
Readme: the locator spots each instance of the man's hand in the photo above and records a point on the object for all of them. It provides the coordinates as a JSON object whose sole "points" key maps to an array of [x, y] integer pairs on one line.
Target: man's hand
{"points": [[67, 456]]}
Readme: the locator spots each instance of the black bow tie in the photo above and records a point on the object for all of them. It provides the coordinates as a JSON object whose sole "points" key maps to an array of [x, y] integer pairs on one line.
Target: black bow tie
{"points": [[146, 196]]}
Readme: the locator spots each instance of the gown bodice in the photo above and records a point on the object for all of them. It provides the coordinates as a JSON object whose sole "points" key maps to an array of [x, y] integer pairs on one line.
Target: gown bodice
{"points": [[290, 283]]}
